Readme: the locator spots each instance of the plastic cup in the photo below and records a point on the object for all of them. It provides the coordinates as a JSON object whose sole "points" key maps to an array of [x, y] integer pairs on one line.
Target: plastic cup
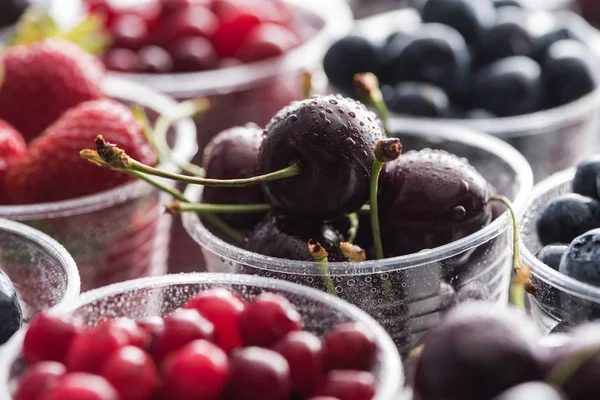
{"points": [[122, 233], [408, 294], [161, 295]]}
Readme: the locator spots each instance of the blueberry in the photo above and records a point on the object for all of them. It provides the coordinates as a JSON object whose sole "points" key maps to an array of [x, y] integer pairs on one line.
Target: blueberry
{"points": [[507, 87], [479, 113], [582, 259], [349, 56], [469, 17], [507, 3], [567, 217], [551, 254], [419, 99], [508, 37], [397, 35], [569, 72], [587, 178], [11, 316], [543, 42]]}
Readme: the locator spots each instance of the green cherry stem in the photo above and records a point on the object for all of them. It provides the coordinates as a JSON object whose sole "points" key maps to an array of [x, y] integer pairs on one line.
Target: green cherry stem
{"points": [[177, 207], [321, 257], [367, 86], [224, 227], [353, 229]]}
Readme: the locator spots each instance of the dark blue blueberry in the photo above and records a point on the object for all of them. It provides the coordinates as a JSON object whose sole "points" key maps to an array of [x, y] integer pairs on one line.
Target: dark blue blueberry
{"points": [[567, 217], [508, 87], [469, 17], [507, 3], [551, 254], [11, 316], [349, 56], [479, 113], [587, 177], [419, 99], [398, 35], [570, 72], [582, 259], [542, 43], [530, 391], [508, 37]]}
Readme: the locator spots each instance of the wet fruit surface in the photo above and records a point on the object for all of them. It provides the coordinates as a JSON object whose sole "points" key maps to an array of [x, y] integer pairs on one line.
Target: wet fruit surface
{"points": [[10, 309]]}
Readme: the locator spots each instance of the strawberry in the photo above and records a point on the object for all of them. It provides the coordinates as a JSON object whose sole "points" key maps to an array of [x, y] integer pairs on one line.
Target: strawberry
{"points": [[52, 170], [43, 80], [12, 145]]}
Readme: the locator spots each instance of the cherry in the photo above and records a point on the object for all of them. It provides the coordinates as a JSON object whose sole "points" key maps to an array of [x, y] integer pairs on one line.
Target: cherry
{"points": [[267, 319], [154, 60], [180, 328], [232, 31], [92, 348], [38, 380], [188, 22], [273, 11], [129, 31], [198, 371], [429, 198], [347, 385], [223, 309], [132, 373], [266, 41], [193, 54], [258, 374], [153, 326], [82, 386], [121, 60], [48, 338], [103, 8], [332, 138], [350, 346], [137, 336], [304, 353], [170, 6]]}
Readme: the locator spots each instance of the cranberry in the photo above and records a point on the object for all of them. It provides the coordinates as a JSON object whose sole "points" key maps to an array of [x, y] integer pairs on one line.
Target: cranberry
{"points": [[350, 346], [170, 6], [132, 373], [137, 336], [188, 22], [193, 54], [267, 319], [180, 328], [232, 33], [198, 371], [102, 8], [81, 386], [129, 31], [154, 60], [153, 326], [258, 374], [304, 354], [40, 378], [121, 60], [48, 338], [266, 41], [223, 308], [267, 11], [90, 349], [347, 385]]}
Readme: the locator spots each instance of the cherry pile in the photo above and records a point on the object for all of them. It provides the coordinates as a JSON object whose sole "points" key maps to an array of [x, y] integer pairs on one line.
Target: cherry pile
{"points": [[166, 36], [216, 346]]}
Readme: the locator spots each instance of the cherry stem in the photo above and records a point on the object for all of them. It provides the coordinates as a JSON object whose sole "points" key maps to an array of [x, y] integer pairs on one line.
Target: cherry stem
{"points": [[560, 374], [177, 207], [321, 257], [353, 229], [353, 252], [367, 86], [224, 227], [306, 84]]}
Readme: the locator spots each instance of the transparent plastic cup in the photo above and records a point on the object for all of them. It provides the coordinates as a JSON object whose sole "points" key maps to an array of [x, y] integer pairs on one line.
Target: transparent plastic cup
{"points": [[161, 295], [407, 294], [122, 233]]}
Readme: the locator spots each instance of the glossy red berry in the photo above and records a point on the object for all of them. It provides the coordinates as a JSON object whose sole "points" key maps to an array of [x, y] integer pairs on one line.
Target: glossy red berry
{"points": [[130, 31], [137, 336], [350, 346], [180, 328], [198, 371], [121, 60], [103, 8], [82, 386], [38, 380], [304, 353], [267, 319], [170, 6], [347, 385], [223, 308], [232, 32], [48, 338], [266, 41], [193, 54], [92, 348], [132, 373], [188, 22], [153, 326], [258, 374], [154, 60]]}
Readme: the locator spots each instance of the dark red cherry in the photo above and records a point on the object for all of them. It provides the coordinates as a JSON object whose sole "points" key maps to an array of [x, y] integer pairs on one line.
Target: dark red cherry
{"points": [[347, 385], [154, 60], [191, 54], [121, 60], [130, 31], [188, 22], [266, 41], [350, 346], [429, 198], [332, 139]]}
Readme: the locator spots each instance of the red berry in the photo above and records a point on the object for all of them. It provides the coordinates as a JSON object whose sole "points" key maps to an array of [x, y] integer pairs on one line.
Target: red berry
{"points": [[38, 380], [304, 354], [266, 41], [267, 319], [81, 386], [121, 60], [102, 8], [130, 31], [170, 6], [12, 145], [198, 371], [155, 60], [193, 54], [347, 385], [223, 308], [153, 326], [188, 22], [92, 348], [137, 336], [232, 33], [132, 373], [274, 11], [258, 374], [181, 328], [350, 346], [48, 338]]}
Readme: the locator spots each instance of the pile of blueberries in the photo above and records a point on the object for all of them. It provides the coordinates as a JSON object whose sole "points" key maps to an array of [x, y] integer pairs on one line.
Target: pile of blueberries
{"points": [[470, 59]]}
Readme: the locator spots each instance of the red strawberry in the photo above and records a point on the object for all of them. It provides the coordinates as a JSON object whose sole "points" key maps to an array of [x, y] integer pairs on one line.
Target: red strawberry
{"points": [[43, 80], [12, 145], [52, 170]]}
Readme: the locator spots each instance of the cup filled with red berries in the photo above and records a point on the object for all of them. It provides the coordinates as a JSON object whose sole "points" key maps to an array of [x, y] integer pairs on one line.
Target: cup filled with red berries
{"points": [[528, 77], [202, 336], [36, 274]]}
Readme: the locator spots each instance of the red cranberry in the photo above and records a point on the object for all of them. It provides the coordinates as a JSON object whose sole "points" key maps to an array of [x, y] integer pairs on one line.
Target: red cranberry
{"points": [[48, 338], [121, 60], [347, 385], [170, 6], [137, 336], [268, 11], [132, 373], [267, 319], [102, 8], [304, 354], [258, 374], [180, 328], [155, 60], [38, 380], [193, 54], [350, 346], [81, 386], [266, 41], [223, 308], [198, 371], [153, 326], [90, 349], [232, 33], [129, 31], [189, 22]]}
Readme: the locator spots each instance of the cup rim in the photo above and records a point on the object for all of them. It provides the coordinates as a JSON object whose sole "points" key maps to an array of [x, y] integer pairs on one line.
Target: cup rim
{"points": [[495, 146], [390, 382], [184, 149]]}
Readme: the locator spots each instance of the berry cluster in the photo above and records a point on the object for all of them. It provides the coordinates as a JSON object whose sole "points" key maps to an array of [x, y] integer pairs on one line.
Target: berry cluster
{"points": [[216, 346]]}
